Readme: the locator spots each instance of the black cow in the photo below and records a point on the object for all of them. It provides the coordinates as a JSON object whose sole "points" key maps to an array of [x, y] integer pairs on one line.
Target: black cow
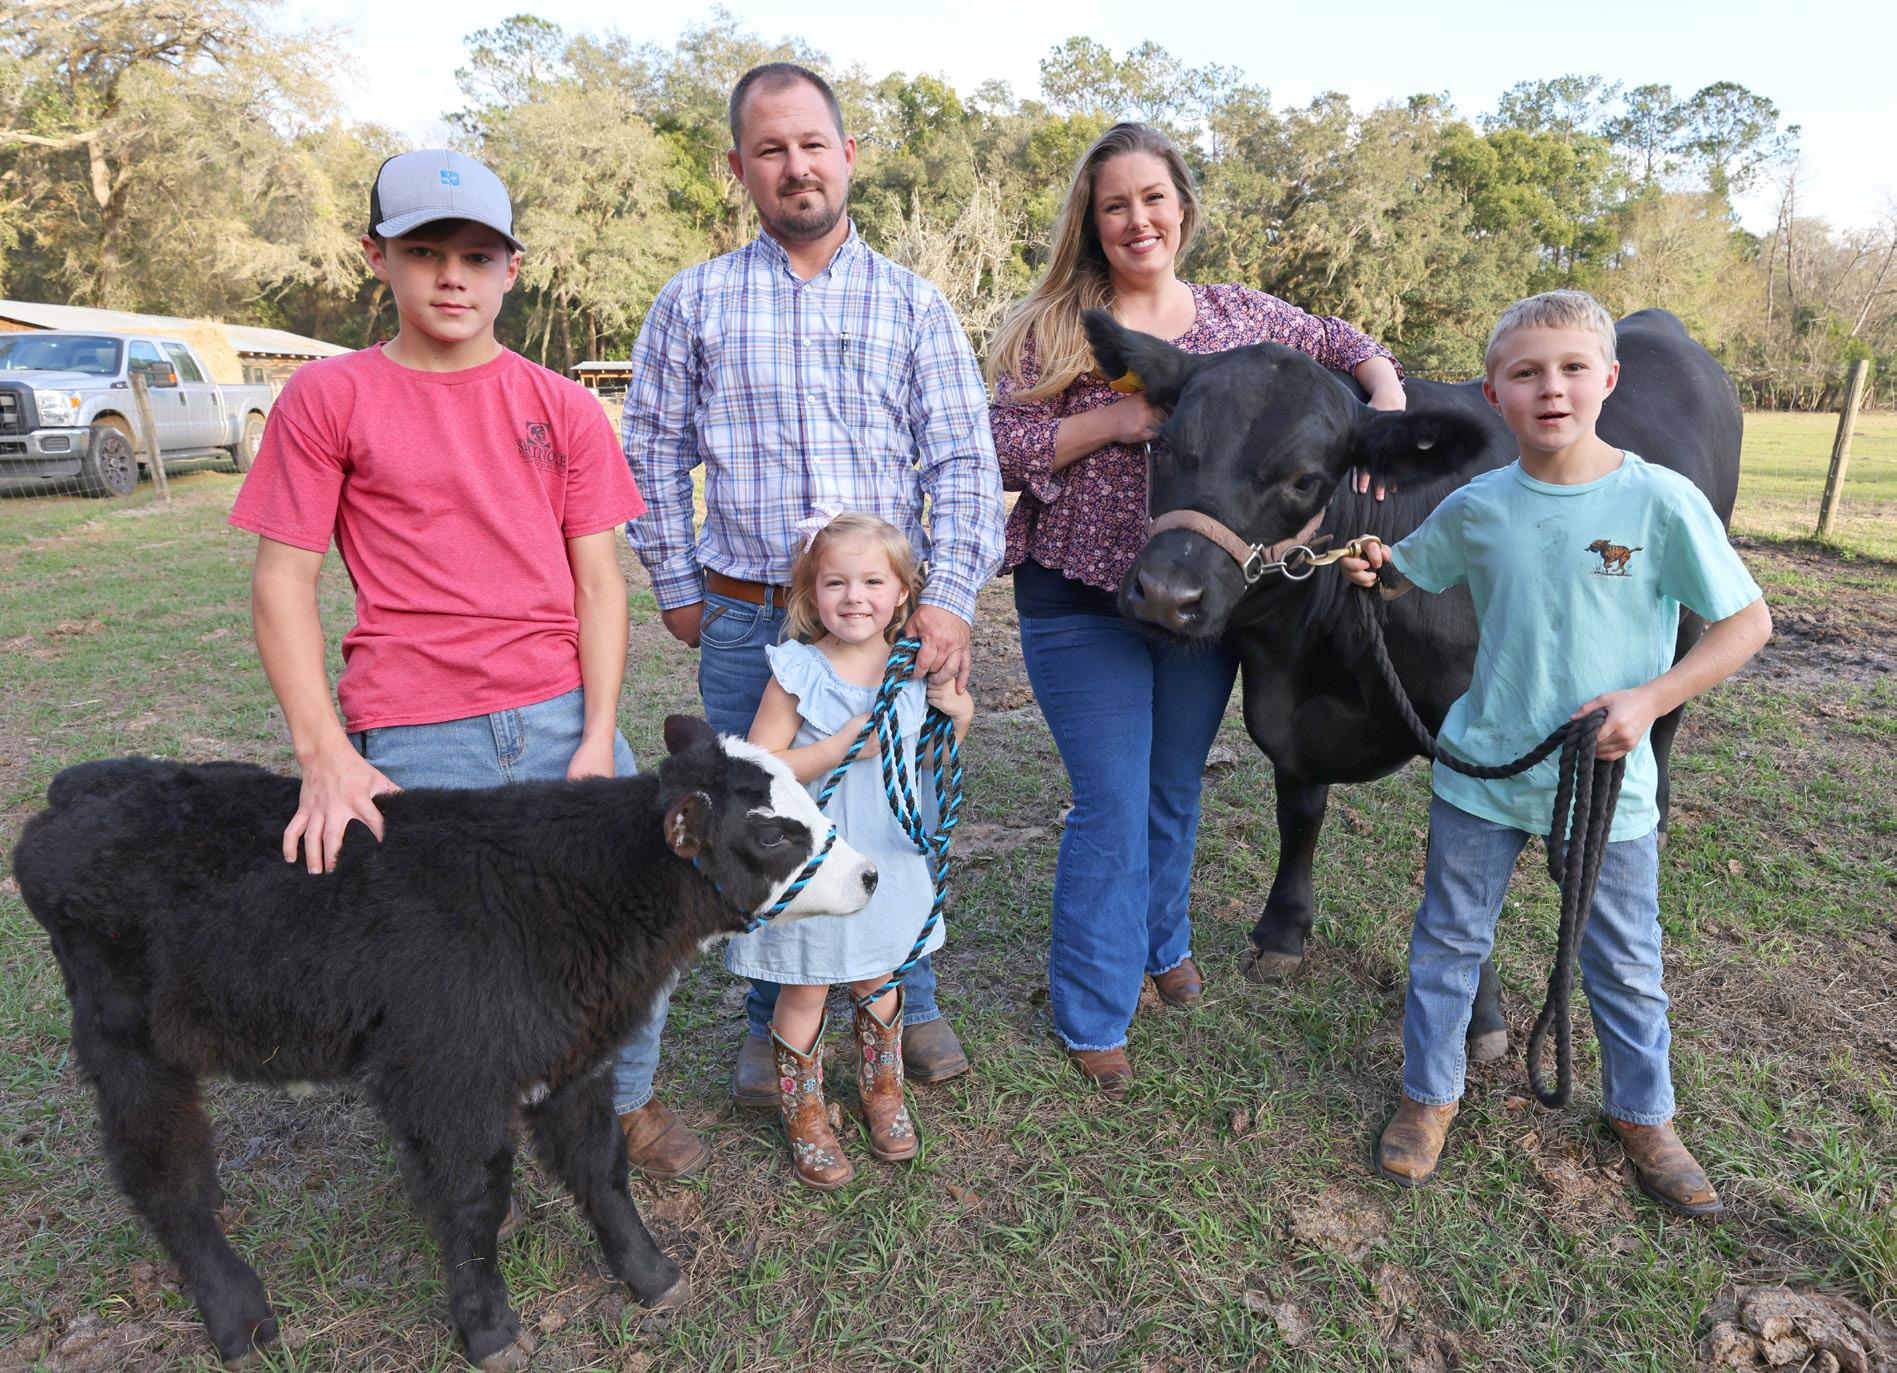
{"points": [[1259, 439], [480, 964]]}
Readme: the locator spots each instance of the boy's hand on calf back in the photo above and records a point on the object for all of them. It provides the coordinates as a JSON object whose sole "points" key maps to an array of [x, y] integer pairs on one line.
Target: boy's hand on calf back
{"points": [[337, 787], [1630, 714]]}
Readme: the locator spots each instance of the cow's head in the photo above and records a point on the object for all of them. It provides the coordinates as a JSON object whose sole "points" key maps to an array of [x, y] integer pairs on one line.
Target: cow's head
{"points": [[743, 818], [1258, 439]]}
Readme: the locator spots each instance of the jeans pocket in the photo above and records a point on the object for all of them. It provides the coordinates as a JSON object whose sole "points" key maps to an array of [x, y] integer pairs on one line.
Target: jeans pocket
{"points": [[728, 626]]}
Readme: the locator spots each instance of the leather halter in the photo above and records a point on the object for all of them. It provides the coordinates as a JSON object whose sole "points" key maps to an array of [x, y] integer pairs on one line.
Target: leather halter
{"points": [[1254, 559]]}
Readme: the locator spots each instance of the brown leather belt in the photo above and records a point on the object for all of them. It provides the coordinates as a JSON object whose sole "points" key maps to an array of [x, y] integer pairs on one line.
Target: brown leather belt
{"points": [[757, 593]]}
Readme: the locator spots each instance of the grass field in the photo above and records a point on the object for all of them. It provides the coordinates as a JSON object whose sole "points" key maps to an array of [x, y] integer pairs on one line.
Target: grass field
{"points": [[1225, 1219], [1782, 480]]}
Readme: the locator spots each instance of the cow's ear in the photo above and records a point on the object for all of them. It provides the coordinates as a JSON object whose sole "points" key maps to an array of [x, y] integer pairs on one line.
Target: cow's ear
{"points": [[1138, 361], [688, 824], [682, 731], [1410, 446]]}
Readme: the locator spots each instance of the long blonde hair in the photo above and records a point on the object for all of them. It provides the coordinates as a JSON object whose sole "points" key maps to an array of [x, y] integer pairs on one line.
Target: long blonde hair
{"points": [[801, 620], [1076, 277]]}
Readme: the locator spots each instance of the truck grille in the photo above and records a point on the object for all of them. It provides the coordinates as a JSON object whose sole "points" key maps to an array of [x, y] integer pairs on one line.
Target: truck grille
{"points": [[16, 410]]}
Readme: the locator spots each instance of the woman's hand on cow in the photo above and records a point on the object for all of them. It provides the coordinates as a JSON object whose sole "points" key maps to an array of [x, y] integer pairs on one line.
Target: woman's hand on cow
{"points": [[1363, 571], [1387, 394], [1630, 714], [338, 786], [1135, 419]]}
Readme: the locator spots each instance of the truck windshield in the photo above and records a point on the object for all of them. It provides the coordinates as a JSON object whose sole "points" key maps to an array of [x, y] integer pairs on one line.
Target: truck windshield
{"points": [[59, 353]]}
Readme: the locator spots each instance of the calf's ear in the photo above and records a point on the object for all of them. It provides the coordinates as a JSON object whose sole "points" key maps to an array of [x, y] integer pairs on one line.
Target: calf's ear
{"points": [[682, 731], [1411, 446], [1138, 361], [688, 823]]}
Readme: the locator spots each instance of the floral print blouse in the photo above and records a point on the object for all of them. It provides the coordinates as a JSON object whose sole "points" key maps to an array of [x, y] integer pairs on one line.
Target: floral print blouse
{"points": [[1088, 521]]}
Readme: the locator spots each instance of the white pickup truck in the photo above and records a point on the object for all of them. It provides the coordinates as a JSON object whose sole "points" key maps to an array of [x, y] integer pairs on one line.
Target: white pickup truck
{"points": [[67, 413]]}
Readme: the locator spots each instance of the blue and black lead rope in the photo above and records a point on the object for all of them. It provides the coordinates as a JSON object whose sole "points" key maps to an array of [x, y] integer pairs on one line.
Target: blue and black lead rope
{"points": [[938, 743]]}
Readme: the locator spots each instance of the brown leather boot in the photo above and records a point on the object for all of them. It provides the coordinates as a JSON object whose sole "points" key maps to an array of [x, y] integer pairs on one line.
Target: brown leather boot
{"points": [[1413, 1142], [814, 1152], [892, 1136], [1108, 1069], [931, 1053], [1180, 985], [660, 1144], [1666, 1171], [754, 1075]]}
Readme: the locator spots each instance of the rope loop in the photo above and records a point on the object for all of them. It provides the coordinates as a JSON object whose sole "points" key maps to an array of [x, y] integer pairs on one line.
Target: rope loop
{"points": [[1587, 789]]}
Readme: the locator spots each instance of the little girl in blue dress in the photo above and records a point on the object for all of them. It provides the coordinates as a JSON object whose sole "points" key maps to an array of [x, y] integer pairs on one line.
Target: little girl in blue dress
{"points": [[852, 588]]}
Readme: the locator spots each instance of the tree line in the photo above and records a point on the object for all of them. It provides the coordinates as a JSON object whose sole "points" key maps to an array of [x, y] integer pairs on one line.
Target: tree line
{"points": [[188, 157]]}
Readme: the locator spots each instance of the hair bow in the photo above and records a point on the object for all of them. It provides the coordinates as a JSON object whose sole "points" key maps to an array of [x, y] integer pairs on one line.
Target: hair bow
{"points": [[818, 520]]}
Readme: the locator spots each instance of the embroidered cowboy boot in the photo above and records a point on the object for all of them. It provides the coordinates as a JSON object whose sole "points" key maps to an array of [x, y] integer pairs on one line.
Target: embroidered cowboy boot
{"points": [[814, 1151], [892, 1135]]}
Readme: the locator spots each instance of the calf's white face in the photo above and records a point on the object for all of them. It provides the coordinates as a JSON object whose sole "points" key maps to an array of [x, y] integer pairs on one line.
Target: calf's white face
{"points": [[843, 881]]}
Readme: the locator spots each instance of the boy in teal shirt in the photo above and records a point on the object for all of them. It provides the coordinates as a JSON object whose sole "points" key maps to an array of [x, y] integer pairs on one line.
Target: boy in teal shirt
{"points": [[1578, 558]]}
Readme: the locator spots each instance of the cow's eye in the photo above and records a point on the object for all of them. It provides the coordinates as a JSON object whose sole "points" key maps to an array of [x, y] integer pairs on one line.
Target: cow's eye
{"points": [[1307, 483], [773, 838]]}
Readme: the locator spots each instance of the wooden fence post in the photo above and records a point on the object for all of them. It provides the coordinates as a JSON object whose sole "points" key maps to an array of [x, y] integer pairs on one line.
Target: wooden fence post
{"points": [[1841, 446], [141, 397]]}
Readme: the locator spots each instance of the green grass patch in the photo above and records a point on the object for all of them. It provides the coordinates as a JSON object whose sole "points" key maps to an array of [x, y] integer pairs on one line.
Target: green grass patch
{"points": [[1782, 471], [1226, 1218]]}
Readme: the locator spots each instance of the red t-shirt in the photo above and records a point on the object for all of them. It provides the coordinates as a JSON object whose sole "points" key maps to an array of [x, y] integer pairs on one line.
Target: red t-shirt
{"points": [[451, 496]]}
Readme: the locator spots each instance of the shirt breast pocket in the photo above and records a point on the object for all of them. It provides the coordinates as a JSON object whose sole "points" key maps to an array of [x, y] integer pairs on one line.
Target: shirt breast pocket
{"points": [[875, 378]]}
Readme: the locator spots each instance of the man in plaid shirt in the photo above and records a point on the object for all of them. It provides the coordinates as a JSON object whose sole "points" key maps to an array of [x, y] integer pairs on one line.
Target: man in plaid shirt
{"points": [[805, 370]]}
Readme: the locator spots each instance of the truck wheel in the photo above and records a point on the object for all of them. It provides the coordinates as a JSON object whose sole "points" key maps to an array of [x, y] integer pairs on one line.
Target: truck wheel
{"points": [[244, 451], [110, 464]]}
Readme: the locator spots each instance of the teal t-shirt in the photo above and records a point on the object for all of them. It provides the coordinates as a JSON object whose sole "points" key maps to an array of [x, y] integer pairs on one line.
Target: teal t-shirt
{"points": [[1577, 591]]}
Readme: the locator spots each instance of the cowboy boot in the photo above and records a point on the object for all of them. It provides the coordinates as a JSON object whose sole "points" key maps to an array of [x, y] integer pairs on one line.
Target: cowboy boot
{"points": [[814, 1152], [1412, 1142], [1666, 1171], [892, 1135]]}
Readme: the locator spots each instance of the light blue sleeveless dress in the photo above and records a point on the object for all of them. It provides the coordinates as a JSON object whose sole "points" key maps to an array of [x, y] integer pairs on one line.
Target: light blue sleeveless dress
{"points": [[827, 949]]}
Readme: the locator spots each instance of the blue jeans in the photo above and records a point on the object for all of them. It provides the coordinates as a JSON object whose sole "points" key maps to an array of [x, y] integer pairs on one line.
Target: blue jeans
{"points": [[1134, 718], [527, 744], [1464, 880], [732, 675]]}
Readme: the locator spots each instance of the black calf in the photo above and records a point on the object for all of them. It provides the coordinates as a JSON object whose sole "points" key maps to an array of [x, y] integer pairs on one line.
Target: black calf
{"points": [[478, 966]]}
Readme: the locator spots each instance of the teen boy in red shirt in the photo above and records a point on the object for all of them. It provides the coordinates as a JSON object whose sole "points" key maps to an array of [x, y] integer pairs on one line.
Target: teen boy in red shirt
{"points": [[475, 499]]}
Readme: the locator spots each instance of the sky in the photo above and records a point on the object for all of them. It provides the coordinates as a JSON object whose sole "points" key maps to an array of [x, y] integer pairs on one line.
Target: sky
{"points": [[1829, 69]]}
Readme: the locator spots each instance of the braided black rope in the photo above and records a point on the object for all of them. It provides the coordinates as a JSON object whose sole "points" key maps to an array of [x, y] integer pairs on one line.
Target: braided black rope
{"points": [[1586, 790]]}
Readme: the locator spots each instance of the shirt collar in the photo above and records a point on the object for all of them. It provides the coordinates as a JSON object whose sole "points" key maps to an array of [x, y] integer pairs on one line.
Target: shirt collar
{"points": [[779, 256]]}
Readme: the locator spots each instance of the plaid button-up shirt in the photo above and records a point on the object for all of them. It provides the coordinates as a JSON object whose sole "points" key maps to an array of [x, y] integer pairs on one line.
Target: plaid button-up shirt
{"points": [[856, 388]]}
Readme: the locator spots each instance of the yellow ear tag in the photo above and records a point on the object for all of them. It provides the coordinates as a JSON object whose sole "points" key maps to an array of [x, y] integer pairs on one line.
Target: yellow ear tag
{"points": [[1127, 385]]}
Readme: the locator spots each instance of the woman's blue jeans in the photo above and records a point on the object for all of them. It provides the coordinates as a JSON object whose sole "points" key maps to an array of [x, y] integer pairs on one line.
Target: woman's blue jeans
{"points": [[1134, 718], [732, 675], [1464, 880], [528, 744]]}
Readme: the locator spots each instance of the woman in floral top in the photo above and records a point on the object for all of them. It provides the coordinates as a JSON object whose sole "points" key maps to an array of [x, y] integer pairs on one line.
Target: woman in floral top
{"points": [[1134, 718]]}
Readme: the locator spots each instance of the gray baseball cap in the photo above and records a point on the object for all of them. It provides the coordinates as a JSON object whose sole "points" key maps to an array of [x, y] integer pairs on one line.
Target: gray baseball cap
{"points": [[413, 189]]}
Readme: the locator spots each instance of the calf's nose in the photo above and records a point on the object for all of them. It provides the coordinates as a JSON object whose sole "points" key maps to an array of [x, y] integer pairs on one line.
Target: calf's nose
{"points": [[869, 879], [1167, 600]]}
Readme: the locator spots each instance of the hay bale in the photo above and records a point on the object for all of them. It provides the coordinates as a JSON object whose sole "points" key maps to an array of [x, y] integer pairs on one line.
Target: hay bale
{"points": [[215, 348]]}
